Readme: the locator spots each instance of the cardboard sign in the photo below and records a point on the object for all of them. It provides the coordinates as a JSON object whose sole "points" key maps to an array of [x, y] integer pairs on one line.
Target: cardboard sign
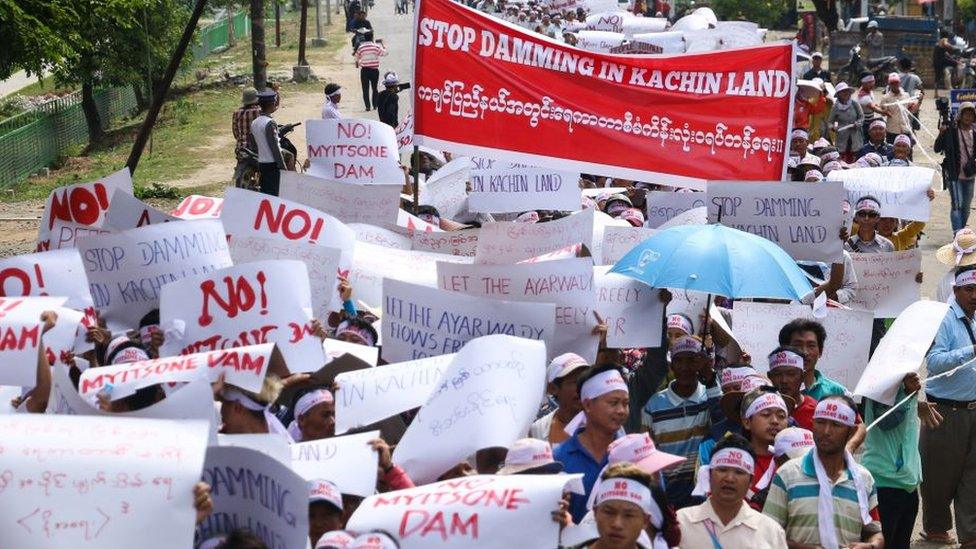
{"points": [[419, 322], [507, 243], [463, 242], [886, 282], [845, 352], [496, 511], [347, 202], [57, 272], [373, 394], [488, 396], [102, 482], [81, 205], [249, 304], [900, 190], [566, 283], [353, 150], [20, 337], [253, 490], [197, 206], [64, 233], [617, 241], [128, 269], [379, 236], [498, 186], [801, 218], [632, 310], [348, 461], [322, 264], [128, 212], [446, 188], [373, 264]]}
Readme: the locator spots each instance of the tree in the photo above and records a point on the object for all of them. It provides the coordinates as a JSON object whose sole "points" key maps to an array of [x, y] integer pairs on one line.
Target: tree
{"points": [[34, 34], [259, 60], [302, 31], [764, 12]]}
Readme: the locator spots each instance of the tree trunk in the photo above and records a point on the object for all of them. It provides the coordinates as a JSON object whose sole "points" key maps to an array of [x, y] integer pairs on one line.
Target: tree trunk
{"points": [[92, 118], [258, 59], [302, 31], [231, 37], [139, 89]]}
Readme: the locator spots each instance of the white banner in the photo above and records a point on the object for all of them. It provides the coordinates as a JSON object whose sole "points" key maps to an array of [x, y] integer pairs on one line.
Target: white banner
{"points": [[632, 310], [446, 189], [373, 264], [900, 190], [498, 186], [348, 461], [255, 491], [617, 241], [81, 205], [353, 150], [901, 351], [419, 322], [803, 219], [663, 206], [128, 212], [845, 352], [348, 202], [20, 337], [261, 302], [886, 282], [463, 242], [198, 206], [566, 283], [102, 482], [662, 42], [507, 243], [127, 270], [57, 272], [371, 234], [488, 396]]}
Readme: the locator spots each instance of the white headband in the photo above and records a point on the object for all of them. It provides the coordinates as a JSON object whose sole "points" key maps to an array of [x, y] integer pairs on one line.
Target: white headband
{"points": [[274, 424], [310, 400], [679, 322], [799, 134], [868, 204], [686, 344], [726, 457], [835, 410], [785, 358], [631, 491], [595, 387], [795, 438], [764, 401], [965, 278]]}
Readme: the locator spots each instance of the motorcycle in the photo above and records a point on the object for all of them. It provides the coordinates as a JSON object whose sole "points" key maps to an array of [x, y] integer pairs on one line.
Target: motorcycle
{"points": [[879, 66], [248, 177]]}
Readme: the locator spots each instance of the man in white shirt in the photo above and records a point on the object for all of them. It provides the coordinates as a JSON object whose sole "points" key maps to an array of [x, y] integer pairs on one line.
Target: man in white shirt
{"points": [[264, 130], [333, 94]]}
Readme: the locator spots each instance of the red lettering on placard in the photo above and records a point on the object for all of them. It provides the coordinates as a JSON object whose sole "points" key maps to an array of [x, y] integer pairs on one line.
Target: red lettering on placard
{"points": [[353, 129], [284, 222], [427, 524], [12, 339], [143, 218], [18, 274], [7, 305], [240, 297], [217, 342], [79, 204], [240, 362]]}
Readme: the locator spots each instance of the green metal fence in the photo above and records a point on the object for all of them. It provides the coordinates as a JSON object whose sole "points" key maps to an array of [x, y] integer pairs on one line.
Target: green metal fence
{"points": [[35, 139]]}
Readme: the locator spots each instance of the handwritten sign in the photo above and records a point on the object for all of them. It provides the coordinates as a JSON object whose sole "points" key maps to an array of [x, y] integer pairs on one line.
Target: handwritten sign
{"points": [[412, 223], [500, 186], [609, 21], [446, 188], [617, 241], [57, 272], [81, 205], [566, 283], [463, 242], [506, 242], [900, 190], [801, 218], [419, 322], [249, 304], [128, 212], [127, 270], [347, 202], [348, 461], [488, 396], [373, 264], [489, 511], [689, 303], [404, 133], [663, 206], [254, 490], [694, 216], [20, 337], [379, 236], [64, 233], [353, 150], [632, 310], [373, 394], [269, 444], [335, 348], [845, 351], [886, 282], [603, 41], [197, 206], [102, 482]]}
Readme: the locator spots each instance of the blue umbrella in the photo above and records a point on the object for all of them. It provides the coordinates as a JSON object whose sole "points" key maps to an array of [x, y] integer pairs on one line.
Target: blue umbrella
{"points": [[715, 259]]}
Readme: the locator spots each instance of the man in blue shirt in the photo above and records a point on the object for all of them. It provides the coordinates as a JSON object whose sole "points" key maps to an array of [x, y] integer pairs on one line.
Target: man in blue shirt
{"points": [[948, 462]]}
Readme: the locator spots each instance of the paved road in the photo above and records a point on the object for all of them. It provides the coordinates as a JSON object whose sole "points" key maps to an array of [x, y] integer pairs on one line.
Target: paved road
{"points": [[16, 82]]}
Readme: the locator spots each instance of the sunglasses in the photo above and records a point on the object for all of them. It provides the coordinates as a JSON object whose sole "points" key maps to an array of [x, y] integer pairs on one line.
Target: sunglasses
{"points": [[870, 215]]}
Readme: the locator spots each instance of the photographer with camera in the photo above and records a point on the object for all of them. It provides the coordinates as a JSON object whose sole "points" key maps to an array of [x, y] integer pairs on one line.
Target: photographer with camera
{"points": [[387, 106], [957, 141]]}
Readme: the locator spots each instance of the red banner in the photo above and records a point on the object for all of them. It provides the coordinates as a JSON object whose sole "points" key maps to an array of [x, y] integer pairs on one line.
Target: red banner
{"points": [[488, 88]]}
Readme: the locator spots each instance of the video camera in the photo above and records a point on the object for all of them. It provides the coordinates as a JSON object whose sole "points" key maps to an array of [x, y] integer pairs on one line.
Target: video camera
{"points": [[403, 86], [942, 105]]}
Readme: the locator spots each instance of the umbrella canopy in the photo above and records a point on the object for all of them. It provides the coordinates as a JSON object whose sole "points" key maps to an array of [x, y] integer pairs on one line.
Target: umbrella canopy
{"points": [[715, 259]]}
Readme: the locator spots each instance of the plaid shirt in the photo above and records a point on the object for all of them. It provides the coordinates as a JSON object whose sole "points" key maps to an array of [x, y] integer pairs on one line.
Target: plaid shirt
{"points": [[241, 125]]}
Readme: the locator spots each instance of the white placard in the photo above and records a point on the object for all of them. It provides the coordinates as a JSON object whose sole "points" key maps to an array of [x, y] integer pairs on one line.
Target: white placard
{"points": [[64, 233], [689, 303], [446, 189], [410, 222], [128, 212], [694, 216], [371, 234], [67, 336], [498, 186], [81, 205], [886, 282], [348, 461], [272, 445], [803, 219], [347, 202], [353, 150], [617, 241], [370, 395], [900, 190], [57, 272], [7, 394], [663, 42], [663, 206], [404, 134], [488, 396], [334, 348], [419, 322], [845, 351], [485, 511], [197, 206], [641, 25], [249, 304], [20, 337], [566, 283], [598, 40], [632, 310], [322, 263], [373, 264], [901, 351], [127, 270], [509, 242], [102, 482], [609, 21], [254, 490], [463, 242]]}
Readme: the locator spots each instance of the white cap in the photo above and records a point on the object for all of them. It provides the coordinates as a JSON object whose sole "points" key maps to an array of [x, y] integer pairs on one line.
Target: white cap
{"points": [[324, 490], [563, 365], [530, 453]]}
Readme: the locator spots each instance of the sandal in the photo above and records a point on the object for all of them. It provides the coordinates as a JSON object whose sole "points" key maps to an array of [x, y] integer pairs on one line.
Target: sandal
{"points": [[941, 538]]}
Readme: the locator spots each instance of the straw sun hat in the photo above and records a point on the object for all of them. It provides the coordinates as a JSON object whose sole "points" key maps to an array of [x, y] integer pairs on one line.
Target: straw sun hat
{"points": [[961, 252]]}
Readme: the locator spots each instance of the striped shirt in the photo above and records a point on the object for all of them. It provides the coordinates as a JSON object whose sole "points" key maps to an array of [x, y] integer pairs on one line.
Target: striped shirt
{"points": [[792, 502], [368, 55], [678, 426]]}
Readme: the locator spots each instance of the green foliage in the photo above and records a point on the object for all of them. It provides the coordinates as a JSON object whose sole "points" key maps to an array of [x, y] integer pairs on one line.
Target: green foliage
{"points": [[967, 9], [34, 33], [156, 190], [764, 12]]}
